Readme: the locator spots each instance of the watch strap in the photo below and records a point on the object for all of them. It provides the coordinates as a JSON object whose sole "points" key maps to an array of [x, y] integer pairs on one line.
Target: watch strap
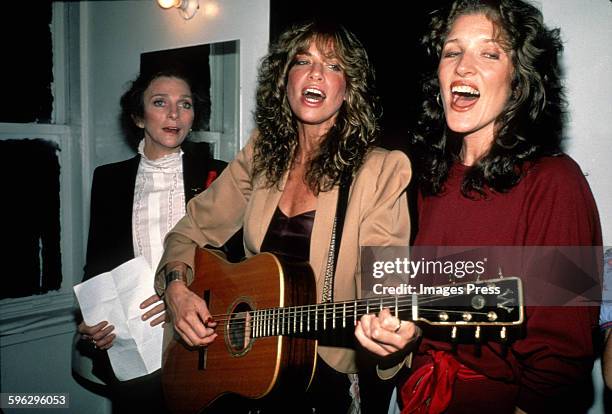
{"points": [[173, 275]]}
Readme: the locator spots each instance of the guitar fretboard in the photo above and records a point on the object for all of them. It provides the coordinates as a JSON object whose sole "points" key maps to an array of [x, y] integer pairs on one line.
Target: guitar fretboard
{"points": [[322, 316], [501, 308]]}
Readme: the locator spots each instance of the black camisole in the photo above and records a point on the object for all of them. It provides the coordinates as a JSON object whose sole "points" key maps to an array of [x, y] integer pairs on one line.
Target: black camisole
{"points": [[289, 236]]}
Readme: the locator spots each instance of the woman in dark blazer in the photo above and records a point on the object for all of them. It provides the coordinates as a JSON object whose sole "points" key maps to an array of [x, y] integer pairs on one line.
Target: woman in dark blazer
{"points": [[110, 241], [135, 202]]}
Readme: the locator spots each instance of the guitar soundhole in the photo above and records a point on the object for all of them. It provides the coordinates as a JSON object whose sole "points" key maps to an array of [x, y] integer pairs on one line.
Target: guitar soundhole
{"points": [[239, 328]]}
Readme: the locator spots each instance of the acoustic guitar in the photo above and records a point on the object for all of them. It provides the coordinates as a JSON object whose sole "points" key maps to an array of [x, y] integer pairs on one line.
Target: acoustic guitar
{"points": [[268, 320]]}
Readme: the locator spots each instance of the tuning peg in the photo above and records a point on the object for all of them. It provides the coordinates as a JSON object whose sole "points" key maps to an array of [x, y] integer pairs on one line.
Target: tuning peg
{"points": [[504, 341], [500, 274], [478, 342], [454, 339], [503, 335]]}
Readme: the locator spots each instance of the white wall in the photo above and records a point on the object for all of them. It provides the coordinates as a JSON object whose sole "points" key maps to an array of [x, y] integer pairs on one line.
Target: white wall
{"points": [[40, 362], [587, 34], [119, 31]]}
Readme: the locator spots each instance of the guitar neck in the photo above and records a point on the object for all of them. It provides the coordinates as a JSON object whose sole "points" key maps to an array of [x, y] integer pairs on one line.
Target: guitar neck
{"points": [[324, 316], [494, 302]]}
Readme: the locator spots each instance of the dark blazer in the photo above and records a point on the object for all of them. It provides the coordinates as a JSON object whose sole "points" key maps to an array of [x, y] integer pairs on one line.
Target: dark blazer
{"points": [[112, 197]]}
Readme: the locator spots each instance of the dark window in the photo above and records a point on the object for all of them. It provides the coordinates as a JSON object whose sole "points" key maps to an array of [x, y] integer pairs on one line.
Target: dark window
{"points": [[27, 64], [30, 217]]}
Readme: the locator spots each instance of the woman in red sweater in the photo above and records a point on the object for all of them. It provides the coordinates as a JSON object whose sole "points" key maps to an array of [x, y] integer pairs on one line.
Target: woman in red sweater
{"points": [[492, 174]]}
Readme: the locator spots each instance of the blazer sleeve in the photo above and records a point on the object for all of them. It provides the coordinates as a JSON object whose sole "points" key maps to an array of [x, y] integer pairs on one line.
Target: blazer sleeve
{"points": [[93, 242], [212, 217], [386, 221]]}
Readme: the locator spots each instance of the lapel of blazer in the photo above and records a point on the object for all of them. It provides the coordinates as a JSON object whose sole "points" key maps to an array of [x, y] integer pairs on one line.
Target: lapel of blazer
{"points": [[264, 201], [321, 233], [194, 173]]}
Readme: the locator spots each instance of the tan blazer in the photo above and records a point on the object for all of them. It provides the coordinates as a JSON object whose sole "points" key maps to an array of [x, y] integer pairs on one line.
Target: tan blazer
{"points": [[377, 215]]}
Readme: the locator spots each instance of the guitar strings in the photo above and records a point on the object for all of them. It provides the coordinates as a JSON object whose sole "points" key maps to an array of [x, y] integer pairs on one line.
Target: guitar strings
{"points": [[317, 309], [274, 321], [274, 313]]}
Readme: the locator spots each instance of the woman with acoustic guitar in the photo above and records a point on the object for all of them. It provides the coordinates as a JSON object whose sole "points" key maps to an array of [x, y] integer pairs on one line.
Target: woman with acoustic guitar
{"points": [[493, 174], [316, 121]]}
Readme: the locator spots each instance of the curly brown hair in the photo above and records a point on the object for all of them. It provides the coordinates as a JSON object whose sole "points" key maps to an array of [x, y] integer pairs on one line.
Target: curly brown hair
{"points": [[531, 124], [346, 144]]}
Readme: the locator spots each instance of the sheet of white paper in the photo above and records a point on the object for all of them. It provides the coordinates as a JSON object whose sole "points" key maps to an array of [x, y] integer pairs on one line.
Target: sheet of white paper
{"points": [[115, 297]]}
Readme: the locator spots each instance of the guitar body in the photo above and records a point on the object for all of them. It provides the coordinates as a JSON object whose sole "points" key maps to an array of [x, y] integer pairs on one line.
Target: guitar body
{"points": [[235, 363]]}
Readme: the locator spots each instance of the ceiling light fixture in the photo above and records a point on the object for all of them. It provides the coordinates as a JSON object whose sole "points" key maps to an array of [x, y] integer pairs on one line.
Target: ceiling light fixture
{"points": [[187, 8]]}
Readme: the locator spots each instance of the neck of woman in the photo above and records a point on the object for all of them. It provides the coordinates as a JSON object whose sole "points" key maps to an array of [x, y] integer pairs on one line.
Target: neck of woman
{"points": [[154, 152], [309, 140], [474, 147]]}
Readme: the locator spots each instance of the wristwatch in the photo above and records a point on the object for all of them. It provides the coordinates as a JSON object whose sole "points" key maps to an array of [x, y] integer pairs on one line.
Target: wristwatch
{"points": [[173, 275]]}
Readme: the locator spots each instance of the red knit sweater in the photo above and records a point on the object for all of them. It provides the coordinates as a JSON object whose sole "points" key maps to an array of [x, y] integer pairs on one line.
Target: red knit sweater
{"points": [[551, 206]]}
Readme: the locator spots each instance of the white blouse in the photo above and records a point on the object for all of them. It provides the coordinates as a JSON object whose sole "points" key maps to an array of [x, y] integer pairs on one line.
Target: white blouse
{"points": [[159, 203]]}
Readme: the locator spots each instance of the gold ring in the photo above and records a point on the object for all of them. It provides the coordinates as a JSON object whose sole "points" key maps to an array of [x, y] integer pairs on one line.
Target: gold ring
{"points": [[399, 326]]}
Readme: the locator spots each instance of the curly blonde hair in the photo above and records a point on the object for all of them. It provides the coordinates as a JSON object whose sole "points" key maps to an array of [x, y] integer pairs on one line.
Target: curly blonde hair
{"points": [[346, 144]]}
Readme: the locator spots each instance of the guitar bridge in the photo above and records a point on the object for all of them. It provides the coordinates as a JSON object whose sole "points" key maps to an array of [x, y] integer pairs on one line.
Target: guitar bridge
{"points": [[202, 351]]}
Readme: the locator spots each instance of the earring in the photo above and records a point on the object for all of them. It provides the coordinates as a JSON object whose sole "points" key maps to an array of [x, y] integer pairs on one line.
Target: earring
{"points": [[439, 100]]}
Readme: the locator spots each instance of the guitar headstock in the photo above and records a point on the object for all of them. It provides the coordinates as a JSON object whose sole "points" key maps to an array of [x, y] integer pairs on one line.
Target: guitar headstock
{"points": [[496, 302]]}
